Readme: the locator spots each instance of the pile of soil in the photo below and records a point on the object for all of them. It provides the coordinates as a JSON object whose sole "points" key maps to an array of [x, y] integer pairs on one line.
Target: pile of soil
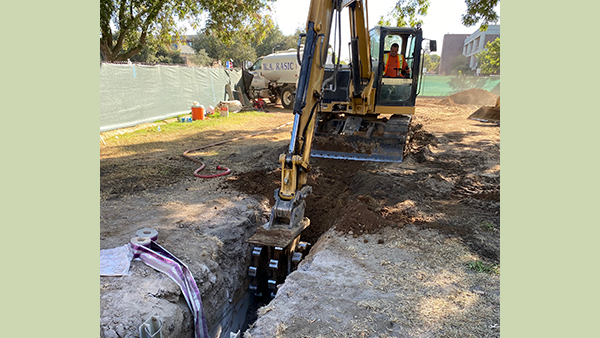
{"points": [[475, 96]]}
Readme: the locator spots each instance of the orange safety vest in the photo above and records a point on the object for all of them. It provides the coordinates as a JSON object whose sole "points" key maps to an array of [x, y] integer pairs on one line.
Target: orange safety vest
{"points": [[400, 66]]}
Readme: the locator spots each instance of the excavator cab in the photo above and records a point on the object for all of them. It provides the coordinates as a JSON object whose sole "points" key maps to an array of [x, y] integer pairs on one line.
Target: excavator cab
{"points": [[374, 125], [399, 88]]}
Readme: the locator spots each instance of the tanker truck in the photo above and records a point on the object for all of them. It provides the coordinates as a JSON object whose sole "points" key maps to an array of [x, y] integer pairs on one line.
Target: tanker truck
{"points": [[275, 77]]}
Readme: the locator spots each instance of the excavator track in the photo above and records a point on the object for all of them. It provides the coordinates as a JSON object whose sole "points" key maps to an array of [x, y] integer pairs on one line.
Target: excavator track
{"points": [[362, 138]]}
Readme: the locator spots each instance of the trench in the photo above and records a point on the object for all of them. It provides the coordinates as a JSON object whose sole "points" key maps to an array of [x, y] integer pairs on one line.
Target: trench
{"points": [[236, 317], [326, 204]]}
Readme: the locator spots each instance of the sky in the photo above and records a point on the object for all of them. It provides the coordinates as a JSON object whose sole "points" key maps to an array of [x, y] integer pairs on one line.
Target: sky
{"points": [[443, 17]]}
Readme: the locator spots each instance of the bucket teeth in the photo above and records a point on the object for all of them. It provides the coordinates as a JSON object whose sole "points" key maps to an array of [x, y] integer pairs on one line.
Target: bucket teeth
{"points": [[302, 246], [274, 264], [271, 264], [252, 271]]}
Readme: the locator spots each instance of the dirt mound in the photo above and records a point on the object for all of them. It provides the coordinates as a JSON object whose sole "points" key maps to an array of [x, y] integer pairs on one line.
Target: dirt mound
{"points": [[359, 219], [473, 96]]}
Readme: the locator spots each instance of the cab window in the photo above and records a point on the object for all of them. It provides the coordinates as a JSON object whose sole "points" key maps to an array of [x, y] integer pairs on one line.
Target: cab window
{"points": [[374, 34], [256, 65]]}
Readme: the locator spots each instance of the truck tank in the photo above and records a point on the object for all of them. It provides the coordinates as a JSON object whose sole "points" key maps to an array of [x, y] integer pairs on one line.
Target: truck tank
{"points": [[275, 77]]}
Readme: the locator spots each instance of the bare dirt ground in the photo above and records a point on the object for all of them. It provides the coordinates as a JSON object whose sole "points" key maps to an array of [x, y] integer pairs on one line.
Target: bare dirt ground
{"points": [[398, 249]]}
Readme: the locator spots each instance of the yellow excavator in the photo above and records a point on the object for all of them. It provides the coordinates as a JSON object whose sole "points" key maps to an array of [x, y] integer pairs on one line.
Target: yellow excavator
{"points": [[357, 112]]}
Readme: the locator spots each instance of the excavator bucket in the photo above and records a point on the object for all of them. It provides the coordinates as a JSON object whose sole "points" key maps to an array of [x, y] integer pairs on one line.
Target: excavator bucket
{"points": [[487, 114], [361, 138]]}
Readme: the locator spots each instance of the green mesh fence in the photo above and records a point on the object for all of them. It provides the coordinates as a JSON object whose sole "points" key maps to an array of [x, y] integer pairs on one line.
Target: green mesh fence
{"points": [[131, 94], [448, 85]]}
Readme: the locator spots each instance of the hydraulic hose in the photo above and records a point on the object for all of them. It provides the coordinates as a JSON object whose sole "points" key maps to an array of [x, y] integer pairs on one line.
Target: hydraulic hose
{"points": [[226, 170]]}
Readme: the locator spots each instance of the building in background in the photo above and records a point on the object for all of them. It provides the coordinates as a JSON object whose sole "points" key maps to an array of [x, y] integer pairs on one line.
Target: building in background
{"points": [[186, 52], [184, 46], [476, 42], [456, 45], [452, 48]]}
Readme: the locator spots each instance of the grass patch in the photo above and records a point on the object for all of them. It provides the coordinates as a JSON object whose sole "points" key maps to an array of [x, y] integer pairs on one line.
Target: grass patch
{"points": [[480, 266], [488, 225], [212, 121]]}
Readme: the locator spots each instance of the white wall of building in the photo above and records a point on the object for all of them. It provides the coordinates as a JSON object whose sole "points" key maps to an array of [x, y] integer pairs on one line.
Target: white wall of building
{"points": [[476, 42]]}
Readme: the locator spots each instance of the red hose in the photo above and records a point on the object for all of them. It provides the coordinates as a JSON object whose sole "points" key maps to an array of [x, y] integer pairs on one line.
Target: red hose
{"points": [[226, 170]]}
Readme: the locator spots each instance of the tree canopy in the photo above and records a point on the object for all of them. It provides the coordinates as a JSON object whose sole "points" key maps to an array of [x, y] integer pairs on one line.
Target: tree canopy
{"points": [[480, 11], [158, 54], [275, 40], [407, 13], [126, 26], [431, 62], [461, 66], [489, 58], [239, 50]]}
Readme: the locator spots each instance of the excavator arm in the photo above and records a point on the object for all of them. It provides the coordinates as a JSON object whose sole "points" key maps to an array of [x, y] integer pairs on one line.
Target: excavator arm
{"points": [[295, 164], [277, 249]]}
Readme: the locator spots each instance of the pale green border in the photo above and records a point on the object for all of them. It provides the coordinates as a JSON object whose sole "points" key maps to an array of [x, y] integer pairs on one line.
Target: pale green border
{"points": [[50, 156], [549, 149]]}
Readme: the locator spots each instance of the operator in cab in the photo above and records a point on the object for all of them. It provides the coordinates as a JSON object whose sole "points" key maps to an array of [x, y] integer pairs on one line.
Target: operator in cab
{"points": [[392, 63]]}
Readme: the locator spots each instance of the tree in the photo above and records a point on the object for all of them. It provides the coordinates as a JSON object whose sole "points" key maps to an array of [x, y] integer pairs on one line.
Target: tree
{"points": [[489, 58], [201, 58], [461, 66], [431, 62], [134, 21], [275, 40], [480, 10], [158, 54], [405, 13], [238, 50]]}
